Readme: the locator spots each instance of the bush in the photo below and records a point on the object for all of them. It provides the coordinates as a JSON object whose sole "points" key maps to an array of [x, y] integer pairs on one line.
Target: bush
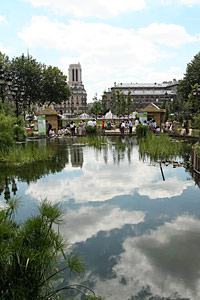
{"points": [[91, 129], [196, 122], [9, 133]]}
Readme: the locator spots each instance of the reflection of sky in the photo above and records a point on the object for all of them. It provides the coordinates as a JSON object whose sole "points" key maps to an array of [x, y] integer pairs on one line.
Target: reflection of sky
{"points": [[98, 181], [132, 228], [87, 221], [167, 259]]}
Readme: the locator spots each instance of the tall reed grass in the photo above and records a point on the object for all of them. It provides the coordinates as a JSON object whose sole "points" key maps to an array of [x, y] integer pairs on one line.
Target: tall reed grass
{"points": [[24, 154]]}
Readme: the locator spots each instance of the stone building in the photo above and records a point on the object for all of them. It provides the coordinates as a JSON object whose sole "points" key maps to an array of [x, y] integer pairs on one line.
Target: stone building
{"points": [[77, 103], [143, 94]]}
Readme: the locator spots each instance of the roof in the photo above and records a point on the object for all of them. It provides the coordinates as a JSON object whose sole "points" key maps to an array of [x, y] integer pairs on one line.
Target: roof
{"points": [[151, 92], [152, 108], [146, 85], [47, 112]]}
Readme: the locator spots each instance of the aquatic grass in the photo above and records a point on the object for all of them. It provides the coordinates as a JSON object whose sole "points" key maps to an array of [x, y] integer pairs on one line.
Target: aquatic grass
{"points": [[160, 147], [24, 154], [94, 141]]}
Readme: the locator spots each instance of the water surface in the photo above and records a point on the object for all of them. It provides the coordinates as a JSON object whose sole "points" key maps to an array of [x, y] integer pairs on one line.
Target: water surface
{"points": [[138, 234]]}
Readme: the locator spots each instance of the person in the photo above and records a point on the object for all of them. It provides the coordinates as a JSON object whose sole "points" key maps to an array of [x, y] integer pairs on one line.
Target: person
{"points": [[48, 127], [90, 123], [94, 122], [72, 127], [122, 127], [83, 127], [186, 126], [67, 131], [60, 131], [130, 124], [157, 130], [80, 128], [103, 126], [167, 125], [145, 123], [51, 132], [136, 122]]}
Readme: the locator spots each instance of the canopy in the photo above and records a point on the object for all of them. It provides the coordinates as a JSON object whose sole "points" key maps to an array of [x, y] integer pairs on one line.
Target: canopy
{"points": [[133, 115], [110, 115], [84, 116]]}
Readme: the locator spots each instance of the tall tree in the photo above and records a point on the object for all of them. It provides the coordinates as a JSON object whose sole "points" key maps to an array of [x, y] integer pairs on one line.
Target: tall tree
{"points": [[191, 77], [27, 74], [129, 102], [54, 86]]}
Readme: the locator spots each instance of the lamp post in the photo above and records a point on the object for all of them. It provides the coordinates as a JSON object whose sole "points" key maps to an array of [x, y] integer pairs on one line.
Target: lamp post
{"points": [[5, 83]]}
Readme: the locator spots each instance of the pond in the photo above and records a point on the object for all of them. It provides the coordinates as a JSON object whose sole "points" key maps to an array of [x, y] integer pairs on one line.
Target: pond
{"points": [[136, 222]]}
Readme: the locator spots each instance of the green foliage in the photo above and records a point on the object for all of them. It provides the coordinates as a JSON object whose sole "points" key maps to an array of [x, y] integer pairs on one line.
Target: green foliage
{"points": [[166, 116], [54, 86], [185, 90], [20, 154], [161, 147], [7, 136], [142, 130], [196, 122], [29, 254], [91, 129]]}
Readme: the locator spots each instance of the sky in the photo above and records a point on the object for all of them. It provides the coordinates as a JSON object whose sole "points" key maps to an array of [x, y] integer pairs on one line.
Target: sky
{"points": [[143, 41]]}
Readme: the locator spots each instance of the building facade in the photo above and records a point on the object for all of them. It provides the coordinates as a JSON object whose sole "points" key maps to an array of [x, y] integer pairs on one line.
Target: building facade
{"points": [[143, 94], [77, 103]]}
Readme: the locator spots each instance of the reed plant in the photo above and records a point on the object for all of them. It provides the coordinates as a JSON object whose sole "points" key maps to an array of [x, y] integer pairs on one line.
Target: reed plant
{"points": [[96, 141], [24, 154], [160, 147]]}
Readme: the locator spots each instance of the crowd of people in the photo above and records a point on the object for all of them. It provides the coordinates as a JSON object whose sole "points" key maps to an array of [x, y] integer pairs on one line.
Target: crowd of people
{"points": [[124, 126]]}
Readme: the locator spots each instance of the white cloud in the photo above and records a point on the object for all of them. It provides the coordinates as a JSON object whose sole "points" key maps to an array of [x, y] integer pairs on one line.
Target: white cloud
{"points": [[106, 52], [164, 189], [3, 49], [3, 20], [104, 182], [86, 8], [167, 260], [167, 34], [189, 2], [88, 221]]}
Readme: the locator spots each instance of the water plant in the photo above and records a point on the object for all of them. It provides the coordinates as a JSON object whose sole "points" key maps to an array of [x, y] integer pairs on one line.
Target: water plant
{"points": [[30, 252], [24, 154], [162, 148]]}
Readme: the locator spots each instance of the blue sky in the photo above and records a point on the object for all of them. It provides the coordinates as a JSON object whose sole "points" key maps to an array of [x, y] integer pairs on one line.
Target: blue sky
{"points": [[114, 41]]}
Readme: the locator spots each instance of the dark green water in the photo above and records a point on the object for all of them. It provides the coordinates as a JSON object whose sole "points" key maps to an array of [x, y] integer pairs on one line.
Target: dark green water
{"points": [[138, 234]]}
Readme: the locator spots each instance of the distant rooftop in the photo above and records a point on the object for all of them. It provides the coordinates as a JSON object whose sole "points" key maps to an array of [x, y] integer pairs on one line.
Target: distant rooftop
{"points": [[151, 92], [145, 85]]}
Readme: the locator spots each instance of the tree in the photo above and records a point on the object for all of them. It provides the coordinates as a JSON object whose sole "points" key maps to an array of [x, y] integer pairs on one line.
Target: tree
{"points": [[26, 73], [129, 103], [191, 77], [29, 254], [96, 106], [54, 86], [104, 103]]}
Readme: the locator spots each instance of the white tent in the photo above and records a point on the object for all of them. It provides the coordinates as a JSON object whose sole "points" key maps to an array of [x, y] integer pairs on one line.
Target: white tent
{"points": [[110, 115], [133, 115], [84, 116]]}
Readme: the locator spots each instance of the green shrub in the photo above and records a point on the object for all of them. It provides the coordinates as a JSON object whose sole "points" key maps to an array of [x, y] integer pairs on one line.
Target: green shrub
{"points": [[196, 122], [91, 129]]}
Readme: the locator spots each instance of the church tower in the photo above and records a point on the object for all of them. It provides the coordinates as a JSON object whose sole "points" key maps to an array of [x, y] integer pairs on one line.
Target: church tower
{"points": [[77, 103]]}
